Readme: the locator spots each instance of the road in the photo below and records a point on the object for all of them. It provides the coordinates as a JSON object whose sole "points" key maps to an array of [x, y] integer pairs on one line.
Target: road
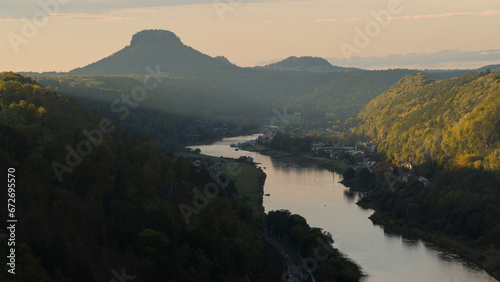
{"points": [[293, 267]]}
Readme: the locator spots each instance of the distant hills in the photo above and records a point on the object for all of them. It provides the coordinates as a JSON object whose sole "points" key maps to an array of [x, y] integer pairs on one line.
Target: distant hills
{"points": [[196, 85], [307, 85], [168, 109], [443, 60], [306, 64], [223, 60], [490, 67], [149, 48], [164, 48]]}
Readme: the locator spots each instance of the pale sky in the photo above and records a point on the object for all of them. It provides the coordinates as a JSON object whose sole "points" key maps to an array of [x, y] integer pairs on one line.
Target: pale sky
{"points": [[80, 32]]}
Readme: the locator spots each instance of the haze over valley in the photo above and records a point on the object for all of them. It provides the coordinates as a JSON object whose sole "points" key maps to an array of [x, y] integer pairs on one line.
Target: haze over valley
{"points": [[250, 141]]}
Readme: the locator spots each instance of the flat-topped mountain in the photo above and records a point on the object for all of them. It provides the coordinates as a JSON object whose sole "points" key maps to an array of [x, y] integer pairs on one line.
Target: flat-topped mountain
{"points": [[156, 47], [165, 38]]}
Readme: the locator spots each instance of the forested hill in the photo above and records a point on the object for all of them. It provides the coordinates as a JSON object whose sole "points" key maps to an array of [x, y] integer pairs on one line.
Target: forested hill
{"points": [[92, 199], [307, 64], [324, 96], [315, 87], [165, 112], [455, 122], [450, 131], [95, 203], [337, 95], [199, 86]]}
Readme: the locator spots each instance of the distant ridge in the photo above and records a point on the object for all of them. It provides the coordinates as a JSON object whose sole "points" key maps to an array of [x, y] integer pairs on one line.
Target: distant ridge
{"points": [[306, 64], [490, 67], [164, 48], [442, 60], [156, 47], [224, 60]]}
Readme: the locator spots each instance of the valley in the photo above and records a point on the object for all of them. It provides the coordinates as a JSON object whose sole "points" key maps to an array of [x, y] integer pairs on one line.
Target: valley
{"points": [[126, 162]]}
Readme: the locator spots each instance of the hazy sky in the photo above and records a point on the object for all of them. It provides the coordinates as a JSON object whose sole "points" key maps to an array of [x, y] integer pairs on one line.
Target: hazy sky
{"points": [[78, 32]]}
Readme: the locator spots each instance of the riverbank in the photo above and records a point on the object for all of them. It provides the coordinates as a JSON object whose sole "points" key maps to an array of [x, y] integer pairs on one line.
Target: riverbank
{"points": [[209, 141], [298, 158], [484, 257], [248, 179]]}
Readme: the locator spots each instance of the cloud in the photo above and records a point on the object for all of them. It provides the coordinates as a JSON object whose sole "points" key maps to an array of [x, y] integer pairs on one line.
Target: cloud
{"points": [[354, 19], [83, 16], [11, 20], [485, 13], [431, 16], [325, 20], [26, 8], [74, 16], [489, 13]]}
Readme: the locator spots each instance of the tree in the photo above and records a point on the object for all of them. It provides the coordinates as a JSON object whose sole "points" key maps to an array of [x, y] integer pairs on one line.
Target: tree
{"points": [[349, 173]]}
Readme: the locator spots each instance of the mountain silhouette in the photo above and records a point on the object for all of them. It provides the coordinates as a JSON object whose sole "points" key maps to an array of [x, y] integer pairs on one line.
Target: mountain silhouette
{"points": [[307, 64], [157, 47]]}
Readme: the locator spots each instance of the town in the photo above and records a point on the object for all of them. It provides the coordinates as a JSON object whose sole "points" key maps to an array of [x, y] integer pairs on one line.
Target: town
{"points": [[334, 143]]}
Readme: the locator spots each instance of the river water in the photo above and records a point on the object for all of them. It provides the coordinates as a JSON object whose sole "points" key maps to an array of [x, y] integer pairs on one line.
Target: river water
{"points": [[315, 194]]}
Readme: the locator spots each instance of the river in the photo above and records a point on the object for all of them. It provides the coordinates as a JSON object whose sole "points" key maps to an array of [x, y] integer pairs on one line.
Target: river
{"points": [[315, 194]]}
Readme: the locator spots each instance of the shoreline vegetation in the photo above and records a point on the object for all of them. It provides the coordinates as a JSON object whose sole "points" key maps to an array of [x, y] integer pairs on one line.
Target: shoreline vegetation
{"points": [[441, 142], [208, 141], [249, 184], [320, 258], [299, 158], [123, 204], [484, 257], [248, 179]]}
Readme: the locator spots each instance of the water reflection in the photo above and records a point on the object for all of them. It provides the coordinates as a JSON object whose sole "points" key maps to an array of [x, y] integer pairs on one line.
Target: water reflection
{"points": [[411, 243], [315, 194], [391, 234], [350, 196]]}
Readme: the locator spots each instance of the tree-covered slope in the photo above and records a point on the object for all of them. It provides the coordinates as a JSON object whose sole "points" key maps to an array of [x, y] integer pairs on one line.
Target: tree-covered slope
{"points": [[163, 111], [95, 203], [92, 199], [454, 121], [340, 96], [326, 96], [307, 85], [450, 130]]}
